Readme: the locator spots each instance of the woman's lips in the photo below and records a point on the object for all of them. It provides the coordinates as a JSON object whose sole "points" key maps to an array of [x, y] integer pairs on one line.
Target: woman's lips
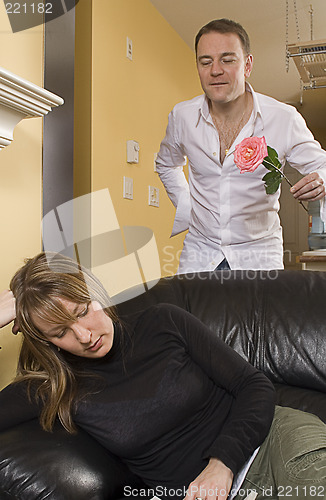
{"points": [[96, 345]]}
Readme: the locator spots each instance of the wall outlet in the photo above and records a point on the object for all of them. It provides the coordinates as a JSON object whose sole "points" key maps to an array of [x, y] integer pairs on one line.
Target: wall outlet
{"points": [[153, 196], [129, 48], [128, 188]]}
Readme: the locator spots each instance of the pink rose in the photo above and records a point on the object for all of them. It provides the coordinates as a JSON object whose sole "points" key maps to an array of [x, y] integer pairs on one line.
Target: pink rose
{"points": [[249, 154]]}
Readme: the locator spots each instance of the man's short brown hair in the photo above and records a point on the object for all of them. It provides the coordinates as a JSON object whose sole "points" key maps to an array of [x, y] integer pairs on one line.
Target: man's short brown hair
{"points": [[225, 26]]}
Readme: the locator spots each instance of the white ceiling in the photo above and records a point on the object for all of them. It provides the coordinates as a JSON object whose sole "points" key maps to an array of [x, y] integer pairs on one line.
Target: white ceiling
{"points": [[265, 22]]}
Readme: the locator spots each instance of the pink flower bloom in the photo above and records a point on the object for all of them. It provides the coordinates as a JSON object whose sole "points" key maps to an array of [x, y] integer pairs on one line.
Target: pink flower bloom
{"points": [[249, 154]]}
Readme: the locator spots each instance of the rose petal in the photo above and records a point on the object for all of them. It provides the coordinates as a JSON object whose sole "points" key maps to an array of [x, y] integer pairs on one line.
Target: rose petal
{"points": [[250, 153]]}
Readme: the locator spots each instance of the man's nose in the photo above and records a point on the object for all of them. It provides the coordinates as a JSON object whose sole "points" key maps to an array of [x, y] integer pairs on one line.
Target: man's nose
{"points": [[82, 333], [216, 68]]}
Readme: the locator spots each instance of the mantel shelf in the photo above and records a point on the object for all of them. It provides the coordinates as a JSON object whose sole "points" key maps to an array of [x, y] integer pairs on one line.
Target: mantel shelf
{"points": [[20, 99]]}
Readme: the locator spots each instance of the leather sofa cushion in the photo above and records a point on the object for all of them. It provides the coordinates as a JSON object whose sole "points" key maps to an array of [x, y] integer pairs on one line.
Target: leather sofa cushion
{"points": [[58, 465]]}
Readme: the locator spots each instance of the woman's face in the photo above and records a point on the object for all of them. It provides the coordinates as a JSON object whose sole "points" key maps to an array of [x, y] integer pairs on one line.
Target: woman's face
{"points": [[90, 336]]}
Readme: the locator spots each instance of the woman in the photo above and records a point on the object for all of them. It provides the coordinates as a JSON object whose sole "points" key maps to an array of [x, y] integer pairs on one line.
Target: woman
{"points": [[156, 388]]}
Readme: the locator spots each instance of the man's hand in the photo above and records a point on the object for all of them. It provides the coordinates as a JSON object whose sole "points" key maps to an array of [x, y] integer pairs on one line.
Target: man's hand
{"points": [[7, 309], [213, 483], [309, 188]]}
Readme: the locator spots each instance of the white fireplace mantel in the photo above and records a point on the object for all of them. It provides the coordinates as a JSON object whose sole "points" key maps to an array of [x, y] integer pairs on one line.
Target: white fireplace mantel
{"points": [[20, 99]]}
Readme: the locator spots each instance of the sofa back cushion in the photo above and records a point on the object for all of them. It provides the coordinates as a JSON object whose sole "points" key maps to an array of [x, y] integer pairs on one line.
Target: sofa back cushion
{"points": [[274, 319]]}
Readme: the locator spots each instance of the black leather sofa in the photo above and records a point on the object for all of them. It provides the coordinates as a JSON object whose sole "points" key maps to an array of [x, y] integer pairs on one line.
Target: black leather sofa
{"points": [[275, 320]]}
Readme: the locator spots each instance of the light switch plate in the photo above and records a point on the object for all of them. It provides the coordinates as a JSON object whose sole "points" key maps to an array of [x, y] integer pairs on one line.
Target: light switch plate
{"points": [[155, 158], [153, 196], [132, 152]]}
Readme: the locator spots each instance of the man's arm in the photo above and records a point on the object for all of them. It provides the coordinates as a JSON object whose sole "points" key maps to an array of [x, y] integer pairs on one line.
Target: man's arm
{"points": [[169, 165], [306, 155], [170, 161], [177, 189], [174, 181]]}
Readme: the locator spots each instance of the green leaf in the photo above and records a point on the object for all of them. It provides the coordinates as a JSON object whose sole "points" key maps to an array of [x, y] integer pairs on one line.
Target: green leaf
{"points": [[272, 188], [270, 176], [272, 154], [268, 163], [272, 181]]}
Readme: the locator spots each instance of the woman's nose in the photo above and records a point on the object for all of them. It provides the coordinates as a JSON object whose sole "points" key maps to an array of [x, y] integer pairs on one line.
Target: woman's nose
{"points": [[82, 333]]}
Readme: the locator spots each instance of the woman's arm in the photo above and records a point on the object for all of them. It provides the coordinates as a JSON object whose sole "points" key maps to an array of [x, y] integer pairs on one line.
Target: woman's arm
{"points": [[7, 308], [214, 482], [252, 410]]}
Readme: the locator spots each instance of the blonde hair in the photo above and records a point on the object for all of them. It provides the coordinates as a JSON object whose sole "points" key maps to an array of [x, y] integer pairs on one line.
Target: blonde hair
{"points": [[37, 287]]}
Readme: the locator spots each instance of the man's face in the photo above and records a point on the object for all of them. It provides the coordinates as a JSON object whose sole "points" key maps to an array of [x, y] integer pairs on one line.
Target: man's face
{"points": [[222, 66]]}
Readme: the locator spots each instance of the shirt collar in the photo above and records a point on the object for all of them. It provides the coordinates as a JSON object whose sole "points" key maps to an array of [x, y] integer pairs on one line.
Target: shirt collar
{"points": [[257, 114], [203, 110]]}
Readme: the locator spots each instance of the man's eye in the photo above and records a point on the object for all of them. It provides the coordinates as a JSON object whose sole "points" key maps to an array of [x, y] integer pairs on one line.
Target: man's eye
{"points": [[228, 60], [206, 63]]}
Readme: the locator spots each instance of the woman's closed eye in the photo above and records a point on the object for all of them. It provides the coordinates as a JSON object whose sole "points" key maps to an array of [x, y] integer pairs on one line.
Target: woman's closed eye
{"points": [[80, 314], [83, 311], [61, 334]]}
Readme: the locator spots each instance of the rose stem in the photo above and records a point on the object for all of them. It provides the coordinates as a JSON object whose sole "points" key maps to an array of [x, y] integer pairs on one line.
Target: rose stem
{"points": [[287, 180]]}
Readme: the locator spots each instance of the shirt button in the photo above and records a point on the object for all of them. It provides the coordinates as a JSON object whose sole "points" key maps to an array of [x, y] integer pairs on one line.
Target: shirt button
{"points": [[214, 154]]}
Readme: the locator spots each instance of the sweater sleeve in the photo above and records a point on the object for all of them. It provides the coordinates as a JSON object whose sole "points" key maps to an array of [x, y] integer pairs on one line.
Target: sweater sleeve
{"points": [[16, 407], [253, 394]]}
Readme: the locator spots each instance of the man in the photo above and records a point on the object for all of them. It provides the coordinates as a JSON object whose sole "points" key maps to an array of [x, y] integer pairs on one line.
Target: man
{"points": [[232, 221]]}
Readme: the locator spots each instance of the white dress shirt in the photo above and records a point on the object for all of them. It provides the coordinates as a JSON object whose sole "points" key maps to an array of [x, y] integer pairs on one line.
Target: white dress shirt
{"points": [[229, 214]]}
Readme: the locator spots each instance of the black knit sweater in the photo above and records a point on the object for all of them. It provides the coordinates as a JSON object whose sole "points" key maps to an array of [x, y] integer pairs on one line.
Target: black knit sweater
{"points": [[171, 395]]}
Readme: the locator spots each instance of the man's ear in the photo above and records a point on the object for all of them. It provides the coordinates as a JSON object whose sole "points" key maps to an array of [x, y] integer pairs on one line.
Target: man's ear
{"points": [[248, 65]]}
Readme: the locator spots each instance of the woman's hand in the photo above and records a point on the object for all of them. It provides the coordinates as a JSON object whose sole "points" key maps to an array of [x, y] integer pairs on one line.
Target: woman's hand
{"points": [[213, 483], [7, 309]]}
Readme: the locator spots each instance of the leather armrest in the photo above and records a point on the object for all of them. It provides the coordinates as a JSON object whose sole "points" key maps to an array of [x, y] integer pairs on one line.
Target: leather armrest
{"points": [[37, 464]]}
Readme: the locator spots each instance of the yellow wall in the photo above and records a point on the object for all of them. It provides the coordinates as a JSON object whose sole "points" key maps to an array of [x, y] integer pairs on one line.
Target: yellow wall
{"points": [[21, 176], [131, 100]]}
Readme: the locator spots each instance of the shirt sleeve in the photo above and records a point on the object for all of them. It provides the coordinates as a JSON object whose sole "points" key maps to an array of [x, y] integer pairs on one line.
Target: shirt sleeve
{"points": [[16, 407], [252, 411], [169, 166], [305, 153]]}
